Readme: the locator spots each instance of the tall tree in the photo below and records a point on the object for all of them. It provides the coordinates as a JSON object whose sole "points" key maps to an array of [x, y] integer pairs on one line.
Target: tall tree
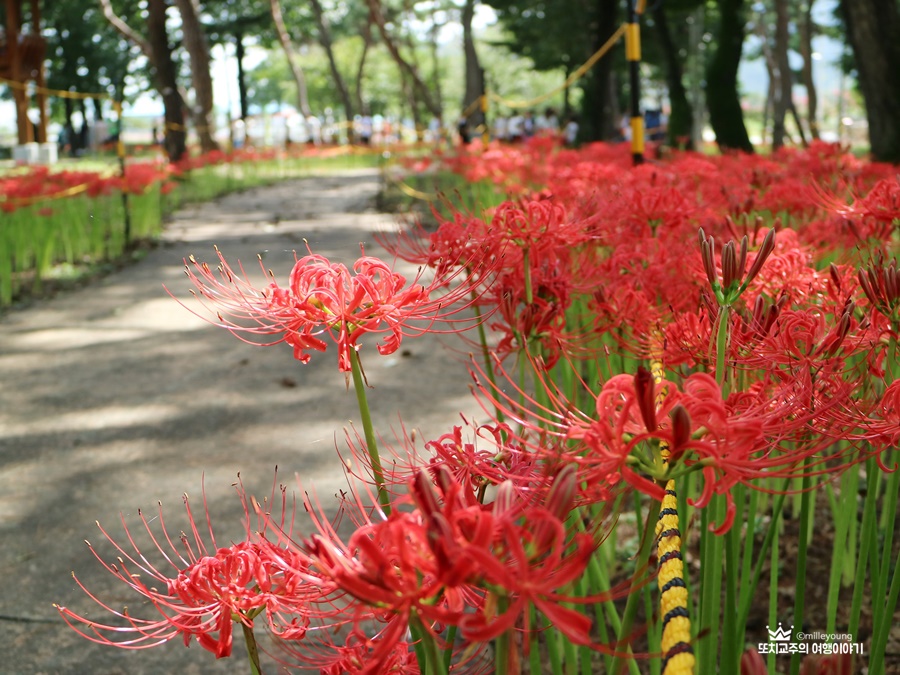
{"points": [[784, 83], [326, 42], [723, 102], [418, 89], [86, 54], [600, 106], [158, 51], [198, 50], [365, 32], [234, 22], [681, 118], [563, 34], [872, 29], [285, 39], [807, 30], [474, 73]]}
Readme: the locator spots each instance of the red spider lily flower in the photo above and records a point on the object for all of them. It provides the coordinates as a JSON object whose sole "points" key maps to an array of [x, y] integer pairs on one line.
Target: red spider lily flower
{"points": [[388, 571], [139, 177], [801, 341], [881, 205], [880, 283], [831, 664], [783, 427], [459, 241], [355, 656], [882, 427], [517, 550], [485, 456], [199, 591], [325, 300], [533, 560], [752, 663]]}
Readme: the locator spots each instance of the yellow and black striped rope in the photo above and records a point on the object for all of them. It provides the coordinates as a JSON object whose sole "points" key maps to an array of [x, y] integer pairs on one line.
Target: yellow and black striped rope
{"points": [[59, 93], [678, 655], [574, 77]]}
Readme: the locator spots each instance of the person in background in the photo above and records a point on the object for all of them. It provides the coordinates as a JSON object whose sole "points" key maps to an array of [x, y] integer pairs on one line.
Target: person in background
{"points": [[570, 131], [365, 129], [551, 121], [516, 128], [462, 126], [528, 127], [501, 126]]}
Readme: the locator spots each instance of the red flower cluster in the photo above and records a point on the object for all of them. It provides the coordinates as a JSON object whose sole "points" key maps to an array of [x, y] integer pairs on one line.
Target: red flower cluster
{"points": [[324, 300]]}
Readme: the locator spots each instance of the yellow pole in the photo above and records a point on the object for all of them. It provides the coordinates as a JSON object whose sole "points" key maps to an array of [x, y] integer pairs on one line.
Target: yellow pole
{"points": [[633, 56]]}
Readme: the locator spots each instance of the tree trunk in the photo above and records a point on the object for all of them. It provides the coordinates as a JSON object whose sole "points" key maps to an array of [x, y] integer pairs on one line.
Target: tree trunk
{"points": [[725, 114], [474, 72], [296, 70], [872, 28], [771, 70], [599, 107], [325, 41], [69, 110], [784, 82], [241, 75], [198, 50], [681, 119], [157, 50], [366, 34], [767, 109], [435, 63], [807, 30], [417, 86]]}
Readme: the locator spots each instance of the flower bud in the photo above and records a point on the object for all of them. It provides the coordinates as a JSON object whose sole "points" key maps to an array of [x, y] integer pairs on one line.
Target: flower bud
{"points": [[764, 252], [646, 397]]}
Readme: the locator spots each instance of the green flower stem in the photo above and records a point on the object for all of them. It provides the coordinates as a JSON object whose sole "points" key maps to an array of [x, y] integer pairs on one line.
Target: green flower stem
{"points": [[879, 639], [731, 647], [371, 444], [598, 578], [722, 346], [526, 267], [634, 598], [570, 653], [769, 540], [867, 538], [774, 562], [252, 649], [654, 629], [534, 652], [448, 652], [584, 652], [806, 505], [711, 562], [502, 643], [486, 355], [747, 562], [415, 631], [882, 611], [553, 655], [844, 512]]}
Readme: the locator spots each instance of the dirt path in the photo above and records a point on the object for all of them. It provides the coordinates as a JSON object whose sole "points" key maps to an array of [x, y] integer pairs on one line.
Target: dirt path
{"points": [[114, 397]]}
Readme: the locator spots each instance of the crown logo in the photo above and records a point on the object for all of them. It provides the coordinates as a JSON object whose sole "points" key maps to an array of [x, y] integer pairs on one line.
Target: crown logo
{"points": [[780, 634]]}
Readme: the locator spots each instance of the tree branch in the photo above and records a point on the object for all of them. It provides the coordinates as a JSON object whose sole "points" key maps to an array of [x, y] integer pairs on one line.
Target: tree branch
{"points": [[125, 30]]}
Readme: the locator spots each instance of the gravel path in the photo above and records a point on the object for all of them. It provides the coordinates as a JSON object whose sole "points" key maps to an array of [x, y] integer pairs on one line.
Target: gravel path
{"points": [[114, 397]]}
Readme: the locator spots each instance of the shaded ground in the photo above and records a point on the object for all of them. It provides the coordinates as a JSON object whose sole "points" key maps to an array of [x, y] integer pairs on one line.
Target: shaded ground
{"points": [[113, 397]]}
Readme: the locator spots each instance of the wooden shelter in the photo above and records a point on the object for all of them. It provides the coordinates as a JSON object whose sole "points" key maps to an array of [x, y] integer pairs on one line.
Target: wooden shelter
{"points": [[22, 51]]}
